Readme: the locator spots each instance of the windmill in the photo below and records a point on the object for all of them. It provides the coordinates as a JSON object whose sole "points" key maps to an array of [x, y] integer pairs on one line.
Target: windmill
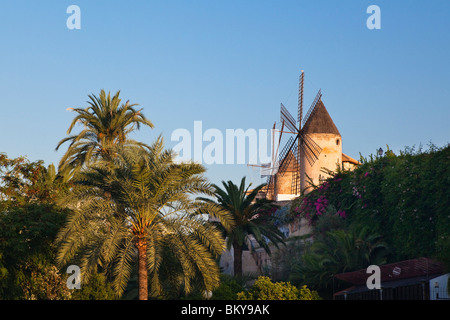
{"points": [[299, 148]]}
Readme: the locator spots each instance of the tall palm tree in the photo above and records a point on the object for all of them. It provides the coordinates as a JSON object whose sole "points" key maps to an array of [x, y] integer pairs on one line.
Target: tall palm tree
{"points": [[141, 209], [249, 219], [106, 124]]}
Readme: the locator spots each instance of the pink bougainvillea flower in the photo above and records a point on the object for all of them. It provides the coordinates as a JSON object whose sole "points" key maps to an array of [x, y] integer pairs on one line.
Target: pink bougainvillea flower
{"points": [[341, 213]]}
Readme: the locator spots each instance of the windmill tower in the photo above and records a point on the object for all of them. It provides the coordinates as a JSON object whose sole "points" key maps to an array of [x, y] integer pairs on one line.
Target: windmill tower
{"points": [[315, 143]]}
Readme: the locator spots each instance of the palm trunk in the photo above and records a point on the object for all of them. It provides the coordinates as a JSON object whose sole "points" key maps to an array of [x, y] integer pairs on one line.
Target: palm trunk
{"points": [[142, 269], [237, 248]]}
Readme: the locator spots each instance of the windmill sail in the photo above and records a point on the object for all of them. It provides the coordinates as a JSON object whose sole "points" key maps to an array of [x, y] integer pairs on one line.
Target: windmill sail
{"points": [[313, 107], [284, 158], [311, 149], [300, 100], [287, 118]]}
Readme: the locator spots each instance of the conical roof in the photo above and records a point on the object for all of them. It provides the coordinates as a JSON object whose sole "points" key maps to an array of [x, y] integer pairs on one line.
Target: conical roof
{"points": [[320, 121]]}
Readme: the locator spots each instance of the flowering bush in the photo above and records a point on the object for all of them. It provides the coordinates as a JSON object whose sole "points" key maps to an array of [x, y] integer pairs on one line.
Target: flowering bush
{"points": [[315, 204], [405, 198]]}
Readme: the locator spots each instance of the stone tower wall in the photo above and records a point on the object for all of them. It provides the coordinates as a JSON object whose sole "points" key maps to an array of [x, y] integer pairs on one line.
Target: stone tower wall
{"points": [[330, 158]]}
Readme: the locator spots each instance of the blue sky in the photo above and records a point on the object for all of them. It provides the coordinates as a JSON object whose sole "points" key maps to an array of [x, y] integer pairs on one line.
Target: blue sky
{"points": [[229, 64]]}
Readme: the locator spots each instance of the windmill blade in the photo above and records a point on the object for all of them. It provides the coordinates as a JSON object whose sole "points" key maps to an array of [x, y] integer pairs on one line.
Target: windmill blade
{"points": [[286, 149], [307, 155], [287, 119], [282, 155], [288, 159], [274, 155], [279, 138], [270, 187], [285, 160], [310, 148], [313, 107], [269, 180], [265, 169], [295, 185], [300, 100]]}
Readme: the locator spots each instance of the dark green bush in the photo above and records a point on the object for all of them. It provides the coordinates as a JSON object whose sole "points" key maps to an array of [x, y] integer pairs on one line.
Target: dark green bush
{"points": [[404, 198]]}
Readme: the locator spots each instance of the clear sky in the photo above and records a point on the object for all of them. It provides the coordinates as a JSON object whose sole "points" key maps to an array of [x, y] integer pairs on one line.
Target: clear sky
{"points": [[228, 64]]}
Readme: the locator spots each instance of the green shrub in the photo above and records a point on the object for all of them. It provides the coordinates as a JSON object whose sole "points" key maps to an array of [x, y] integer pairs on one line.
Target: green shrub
{"points": [[404, 198], [228, 289], [96, 289], [265, 289]]}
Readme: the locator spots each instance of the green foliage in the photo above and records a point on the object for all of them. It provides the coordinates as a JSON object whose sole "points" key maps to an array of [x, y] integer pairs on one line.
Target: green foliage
{"points": [[26, 246], [106, 125], [336, 252], [228, 289], [141, 198], [45, 283], [265, 289], [286, 258], [29, 222], [3, 270], [308, 294], [98, 288], [405, 199], [416, 201], [402, 201], [23, 182]]}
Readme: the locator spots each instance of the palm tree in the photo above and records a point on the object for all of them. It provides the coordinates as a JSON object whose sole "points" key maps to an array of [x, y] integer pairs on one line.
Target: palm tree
{"points": [[339, 251], [106, 123], [250, 219], [143, 209]]}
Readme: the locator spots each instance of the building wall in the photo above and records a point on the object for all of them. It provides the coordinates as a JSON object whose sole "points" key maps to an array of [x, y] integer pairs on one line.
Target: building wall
{"points": [[330, 158], [438, 288], [249, 263], [284, 181], [348, 165], [257, 261], [299, 227], [284, 186]]}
